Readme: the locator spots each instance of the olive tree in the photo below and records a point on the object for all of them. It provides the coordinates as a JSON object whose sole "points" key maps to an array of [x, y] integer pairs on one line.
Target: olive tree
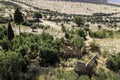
{"points": [[79, 21], [37, 15]]}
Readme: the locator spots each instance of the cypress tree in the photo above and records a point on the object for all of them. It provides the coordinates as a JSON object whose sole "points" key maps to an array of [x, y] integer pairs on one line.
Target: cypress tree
{"points": [[10, 32]]}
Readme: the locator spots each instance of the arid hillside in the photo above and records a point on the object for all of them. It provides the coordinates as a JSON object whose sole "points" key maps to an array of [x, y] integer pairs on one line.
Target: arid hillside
{"points": [[70, 7]]}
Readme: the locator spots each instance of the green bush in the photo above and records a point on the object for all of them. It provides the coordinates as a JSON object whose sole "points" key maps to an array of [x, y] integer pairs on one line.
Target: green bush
{"points": [[34, 47], [67, 35], [78, 42], [63, 28], [4, 44], [26, 23], [82, 33], [94, 47], [4, 20], [46, 37], [49, 57], [40, 26], [98, 34], [113, 76], [110, 34], [38, 16], [59, 74], [3, 32], [102, 74], [113, 62], [57, 44], [106, 75], [84, 77], [23, 50], [79, 21], [12, 65]]}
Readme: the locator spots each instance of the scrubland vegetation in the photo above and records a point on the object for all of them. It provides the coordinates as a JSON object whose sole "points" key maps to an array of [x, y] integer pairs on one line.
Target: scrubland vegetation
{"points": [[53, 44]]}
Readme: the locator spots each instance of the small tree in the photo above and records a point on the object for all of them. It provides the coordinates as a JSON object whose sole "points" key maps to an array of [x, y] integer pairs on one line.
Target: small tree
{"points": [[18, 18], [99, 27], [87, 25], [10, 32], [67, 35], [82, 33], [38, 15], [115, 25], [33, 27], [79, 21]]}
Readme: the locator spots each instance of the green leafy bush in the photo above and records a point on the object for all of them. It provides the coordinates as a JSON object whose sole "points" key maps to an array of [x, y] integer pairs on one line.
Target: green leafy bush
{"points": [[59, 74], [79, 21], [4, 20], [82, 33], [67, 35], [4, 44], [49, 57], [26, 23], [78, 42], [94, 47], [40, 26], [57, 44], [23, 50], [3, 32], [113, 62], [106, 75], [98, 34], [46, 37], [84, 77], [63, 28], [11, 66]]}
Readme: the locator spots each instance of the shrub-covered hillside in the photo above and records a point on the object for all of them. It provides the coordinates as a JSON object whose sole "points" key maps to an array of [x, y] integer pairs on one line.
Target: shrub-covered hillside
{"points": [[40, 44]]}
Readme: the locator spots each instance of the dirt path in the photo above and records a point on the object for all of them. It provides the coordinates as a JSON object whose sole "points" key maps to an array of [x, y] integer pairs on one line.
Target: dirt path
{"points": [[89, 40]]}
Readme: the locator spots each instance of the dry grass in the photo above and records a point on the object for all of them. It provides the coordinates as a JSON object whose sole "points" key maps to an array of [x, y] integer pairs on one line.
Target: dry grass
{"points": [[111, 45]]}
